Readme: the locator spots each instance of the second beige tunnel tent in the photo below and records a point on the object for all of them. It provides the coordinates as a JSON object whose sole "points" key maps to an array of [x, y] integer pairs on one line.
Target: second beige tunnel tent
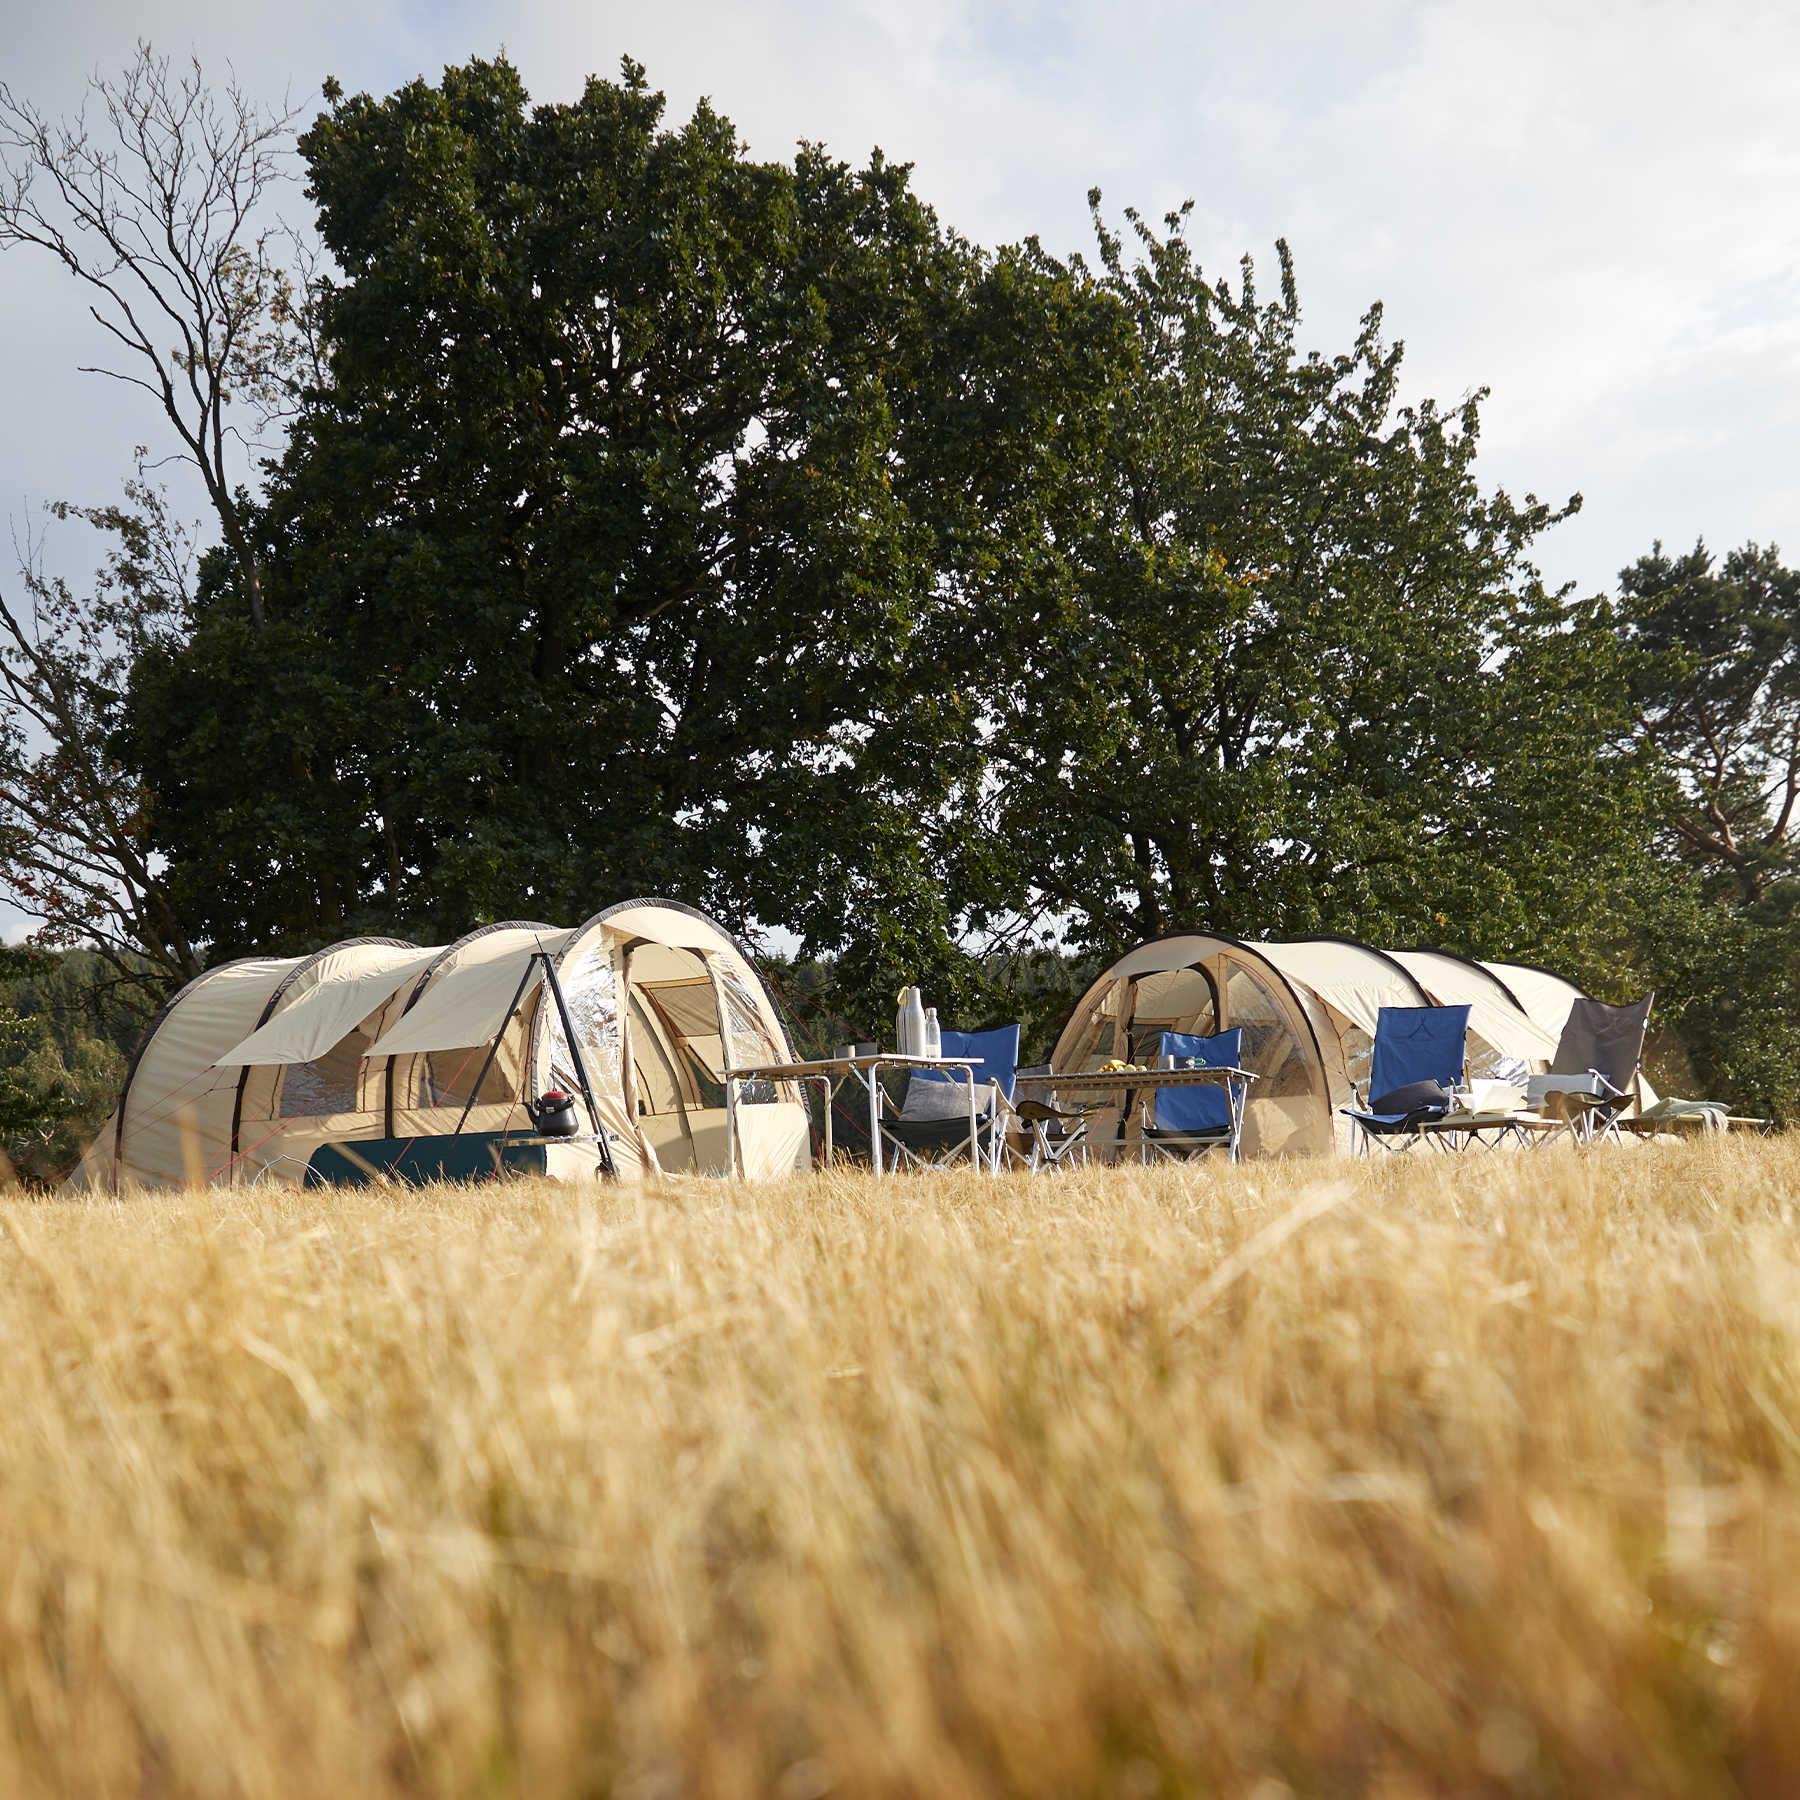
{"points": [[256, 1064], [1308, 1011]]}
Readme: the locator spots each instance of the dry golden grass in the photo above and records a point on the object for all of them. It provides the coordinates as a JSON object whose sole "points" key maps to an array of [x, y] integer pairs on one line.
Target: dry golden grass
{"points": [[1474, 1475]]}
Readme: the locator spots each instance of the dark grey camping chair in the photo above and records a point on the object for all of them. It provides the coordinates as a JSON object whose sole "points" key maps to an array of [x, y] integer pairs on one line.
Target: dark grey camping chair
{"points": [[1595, 1071]]}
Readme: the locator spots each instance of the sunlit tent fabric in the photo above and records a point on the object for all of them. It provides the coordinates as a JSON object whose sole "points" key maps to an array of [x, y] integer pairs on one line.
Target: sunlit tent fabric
{"points": [[1308, 1012], [254, 1065]]}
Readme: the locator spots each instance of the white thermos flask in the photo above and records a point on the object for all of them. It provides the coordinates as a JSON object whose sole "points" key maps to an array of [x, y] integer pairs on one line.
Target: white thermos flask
{"points": [[909, 1023]]}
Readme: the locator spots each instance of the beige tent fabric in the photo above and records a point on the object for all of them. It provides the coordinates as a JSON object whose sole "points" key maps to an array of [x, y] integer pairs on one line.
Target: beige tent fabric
{"points": [[177, 1108], [1169, 984], [665, 925], [1546, 997], [465, 1001], [1351, 980], [1492, 1015], [646, 982], [328, 1002], [1177, 952]]}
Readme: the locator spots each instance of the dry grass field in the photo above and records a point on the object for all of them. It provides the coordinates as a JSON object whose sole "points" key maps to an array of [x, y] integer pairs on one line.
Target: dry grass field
{"points": [[1409, 1477]]}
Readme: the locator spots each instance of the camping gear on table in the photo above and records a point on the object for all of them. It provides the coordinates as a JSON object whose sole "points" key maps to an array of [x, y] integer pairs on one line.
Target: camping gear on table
{"points": [[553, 1113], [909, 1023]]}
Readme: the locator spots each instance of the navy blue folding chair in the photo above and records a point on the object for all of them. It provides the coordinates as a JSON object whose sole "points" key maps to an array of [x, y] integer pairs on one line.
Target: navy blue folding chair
{"points": [[932, 1129], [1414, 1071], [1182, 1122]]}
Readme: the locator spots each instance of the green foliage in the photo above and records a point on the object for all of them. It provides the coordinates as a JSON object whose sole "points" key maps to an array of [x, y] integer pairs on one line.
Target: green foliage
{"points": [[597, 567], [670, 521], [1715, 682], [67, 1024], [1299, 676], [1715, 686]]}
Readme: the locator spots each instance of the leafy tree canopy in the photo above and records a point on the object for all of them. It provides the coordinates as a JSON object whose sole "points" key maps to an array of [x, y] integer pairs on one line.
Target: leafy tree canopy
{"points": [[674, 521]]}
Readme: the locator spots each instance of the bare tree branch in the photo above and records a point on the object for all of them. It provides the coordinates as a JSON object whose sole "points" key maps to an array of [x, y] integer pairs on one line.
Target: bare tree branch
{"points": [[154, 209]]}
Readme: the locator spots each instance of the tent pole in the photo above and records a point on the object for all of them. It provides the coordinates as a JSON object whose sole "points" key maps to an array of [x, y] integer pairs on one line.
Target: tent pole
{"points": [[580, 1062], [487, 1062]]}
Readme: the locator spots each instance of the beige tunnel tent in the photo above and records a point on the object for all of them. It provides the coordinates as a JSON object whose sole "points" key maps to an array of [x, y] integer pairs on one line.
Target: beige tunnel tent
{"points": [[1308, 1012], [255, 1064]]}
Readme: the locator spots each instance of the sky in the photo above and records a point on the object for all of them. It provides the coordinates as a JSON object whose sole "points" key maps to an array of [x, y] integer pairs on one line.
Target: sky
{"points": [[1586, 208]]}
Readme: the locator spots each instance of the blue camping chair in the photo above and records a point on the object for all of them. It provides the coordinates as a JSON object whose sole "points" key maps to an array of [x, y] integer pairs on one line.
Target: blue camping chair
{"points": [[932, 1129], [1418, 1061], [1187, 1121]]}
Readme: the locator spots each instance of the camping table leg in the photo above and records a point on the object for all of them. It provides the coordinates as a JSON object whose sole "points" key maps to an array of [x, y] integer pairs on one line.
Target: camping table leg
{"points": [[974, 1126], [872, 1076], [825, 1089]]}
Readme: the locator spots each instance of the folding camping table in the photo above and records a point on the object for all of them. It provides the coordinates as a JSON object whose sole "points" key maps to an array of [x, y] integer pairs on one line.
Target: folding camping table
{"points": [[831, 1072], [1129, 1083]]}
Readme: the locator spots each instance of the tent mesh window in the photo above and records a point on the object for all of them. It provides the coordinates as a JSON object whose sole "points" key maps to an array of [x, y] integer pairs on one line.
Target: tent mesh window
{"points": [[1488, 1064], [748, 1038], [1359, 1056], [1170, 1000], [1271, 1050], [688, 1012], [591, 992], [1098, 1041], [450, 1074], [661, 1087], [326, 1085]]}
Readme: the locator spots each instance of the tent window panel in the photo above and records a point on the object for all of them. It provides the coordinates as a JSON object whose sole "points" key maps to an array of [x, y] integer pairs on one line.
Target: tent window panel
{"points": [[450, 1075], [1271, 1050], [1180, 994], [1359, 1056], [591, 992], [659, 1088], [1097, 1041], [1488, 1064], [750, 1041], [328, 1084], [689, 1014]]}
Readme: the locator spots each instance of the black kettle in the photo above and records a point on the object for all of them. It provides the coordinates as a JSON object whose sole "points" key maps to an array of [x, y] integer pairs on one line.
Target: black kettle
{"points": [[553, 1113]]}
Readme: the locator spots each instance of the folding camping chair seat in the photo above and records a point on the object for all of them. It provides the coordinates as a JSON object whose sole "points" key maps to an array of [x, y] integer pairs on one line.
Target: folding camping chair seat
{"points": [[1414, 1070], [1181, 1123], [932, 1129]]}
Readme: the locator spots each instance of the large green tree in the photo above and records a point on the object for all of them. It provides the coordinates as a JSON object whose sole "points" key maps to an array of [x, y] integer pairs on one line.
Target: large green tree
{"points": [[671, 520], [1295, 671], [601, 561], [1715, 686]]}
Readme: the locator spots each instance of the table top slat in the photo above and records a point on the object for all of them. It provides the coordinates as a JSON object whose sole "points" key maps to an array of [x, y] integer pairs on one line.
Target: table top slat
{"points": [[847, 1065]]}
